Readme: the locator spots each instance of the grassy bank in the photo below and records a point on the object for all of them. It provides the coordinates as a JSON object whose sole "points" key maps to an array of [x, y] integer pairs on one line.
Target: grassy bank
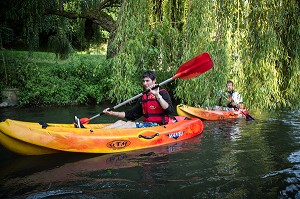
{"points": [[45, 80]]}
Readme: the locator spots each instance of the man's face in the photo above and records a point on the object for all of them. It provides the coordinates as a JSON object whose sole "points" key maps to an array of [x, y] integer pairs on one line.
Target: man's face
{"points": [[229, 86], [147, 82]]}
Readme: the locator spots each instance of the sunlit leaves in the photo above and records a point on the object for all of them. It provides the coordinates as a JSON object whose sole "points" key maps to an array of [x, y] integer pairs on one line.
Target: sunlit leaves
{"points": [[248, 41]]}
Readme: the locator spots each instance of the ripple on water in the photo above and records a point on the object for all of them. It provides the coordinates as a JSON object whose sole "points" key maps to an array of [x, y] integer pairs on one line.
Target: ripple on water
{"points": [[51, 194], [294, 157], [291, 177]]}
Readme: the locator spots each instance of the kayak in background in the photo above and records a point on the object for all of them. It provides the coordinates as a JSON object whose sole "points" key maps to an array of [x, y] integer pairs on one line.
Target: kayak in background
{"points": [[189, 111]]}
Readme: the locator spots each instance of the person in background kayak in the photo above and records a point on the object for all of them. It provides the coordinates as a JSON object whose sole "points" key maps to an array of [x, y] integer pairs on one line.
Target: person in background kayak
{"points": [[155, 107], [234, 99]]}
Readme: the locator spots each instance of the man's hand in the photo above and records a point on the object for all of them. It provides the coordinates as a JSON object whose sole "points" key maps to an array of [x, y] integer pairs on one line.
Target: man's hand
{"points": [[154, 91]]}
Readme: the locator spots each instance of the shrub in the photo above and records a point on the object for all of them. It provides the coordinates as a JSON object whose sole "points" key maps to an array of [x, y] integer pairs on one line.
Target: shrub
{"points": [[45, 80]]}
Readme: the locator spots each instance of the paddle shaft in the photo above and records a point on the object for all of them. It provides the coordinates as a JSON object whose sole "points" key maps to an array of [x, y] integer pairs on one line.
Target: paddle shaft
{"points": [[178, 75], [249, 117]]}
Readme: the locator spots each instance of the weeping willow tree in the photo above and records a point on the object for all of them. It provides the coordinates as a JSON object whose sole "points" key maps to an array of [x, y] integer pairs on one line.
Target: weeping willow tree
{"points": [[204, 30], [254, 43], [260, 53], [150, 40], [272, 57]]}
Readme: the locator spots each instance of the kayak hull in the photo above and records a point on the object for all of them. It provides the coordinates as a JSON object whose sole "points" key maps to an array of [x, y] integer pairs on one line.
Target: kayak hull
{"points": [[189, 111], [28, 138]]}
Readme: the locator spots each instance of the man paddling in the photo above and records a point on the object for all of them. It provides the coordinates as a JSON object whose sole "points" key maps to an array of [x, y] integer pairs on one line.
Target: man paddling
{"points": [[190, 69], [234, 99], [155, 106]]}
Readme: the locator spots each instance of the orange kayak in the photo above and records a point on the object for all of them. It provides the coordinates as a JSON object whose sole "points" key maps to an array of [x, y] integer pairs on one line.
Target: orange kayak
{"points": [[30, 138], [188, 111]]}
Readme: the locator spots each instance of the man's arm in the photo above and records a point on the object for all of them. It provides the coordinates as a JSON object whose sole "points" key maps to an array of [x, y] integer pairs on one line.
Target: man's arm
{"points": [[167, 100], [136, 112]]}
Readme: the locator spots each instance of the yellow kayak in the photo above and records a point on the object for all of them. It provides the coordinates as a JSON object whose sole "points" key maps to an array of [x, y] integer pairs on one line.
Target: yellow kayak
{"points": [[29, 138]]}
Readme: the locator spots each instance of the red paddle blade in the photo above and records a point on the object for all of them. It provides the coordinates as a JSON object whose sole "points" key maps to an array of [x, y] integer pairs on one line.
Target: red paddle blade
{"points": [[84, 120], [194, 67]]}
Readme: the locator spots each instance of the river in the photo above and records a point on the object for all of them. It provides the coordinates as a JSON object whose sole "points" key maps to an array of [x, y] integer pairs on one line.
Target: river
{"points": [[231, 159]]}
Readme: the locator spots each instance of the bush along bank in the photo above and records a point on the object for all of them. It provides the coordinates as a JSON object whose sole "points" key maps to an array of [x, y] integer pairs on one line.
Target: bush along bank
{"points": [[43, 80]]}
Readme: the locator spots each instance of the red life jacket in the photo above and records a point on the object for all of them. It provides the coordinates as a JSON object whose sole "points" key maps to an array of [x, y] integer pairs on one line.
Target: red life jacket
{"points": [[152, 111]]}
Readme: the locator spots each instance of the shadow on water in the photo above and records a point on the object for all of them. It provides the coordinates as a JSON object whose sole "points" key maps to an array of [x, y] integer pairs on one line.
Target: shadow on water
{"points": [[232, 159], [56, 114]]}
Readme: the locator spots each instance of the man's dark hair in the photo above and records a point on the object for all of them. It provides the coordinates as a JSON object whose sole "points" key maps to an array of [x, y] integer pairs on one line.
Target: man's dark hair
{"points": [[149, 74], [229, 81]]}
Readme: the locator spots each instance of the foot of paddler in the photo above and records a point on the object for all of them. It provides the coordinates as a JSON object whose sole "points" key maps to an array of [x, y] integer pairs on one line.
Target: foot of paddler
{"points": [[77, 123]]}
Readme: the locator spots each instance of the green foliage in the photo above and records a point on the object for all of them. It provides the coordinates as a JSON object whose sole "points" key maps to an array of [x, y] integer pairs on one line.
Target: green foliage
{"points": [[43, 80], [60, 45], [34, 21], [255, 44], [10, 71], [269, 60], [142, 47], [123, 82]]}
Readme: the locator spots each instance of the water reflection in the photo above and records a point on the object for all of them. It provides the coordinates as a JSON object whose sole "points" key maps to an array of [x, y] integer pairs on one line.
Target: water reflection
{"points": [[58, 175], [230, 129]]}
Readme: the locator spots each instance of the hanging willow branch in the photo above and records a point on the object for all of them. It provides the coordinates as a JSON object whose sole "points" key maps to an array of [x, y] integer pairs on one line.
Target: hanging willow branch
{"points": [[254, 43]]}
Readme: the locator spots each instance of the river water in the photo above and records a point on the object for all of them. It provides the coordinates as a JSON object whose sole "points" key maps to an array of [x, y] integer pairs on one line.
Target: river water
{"points": [[231, 159]]}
